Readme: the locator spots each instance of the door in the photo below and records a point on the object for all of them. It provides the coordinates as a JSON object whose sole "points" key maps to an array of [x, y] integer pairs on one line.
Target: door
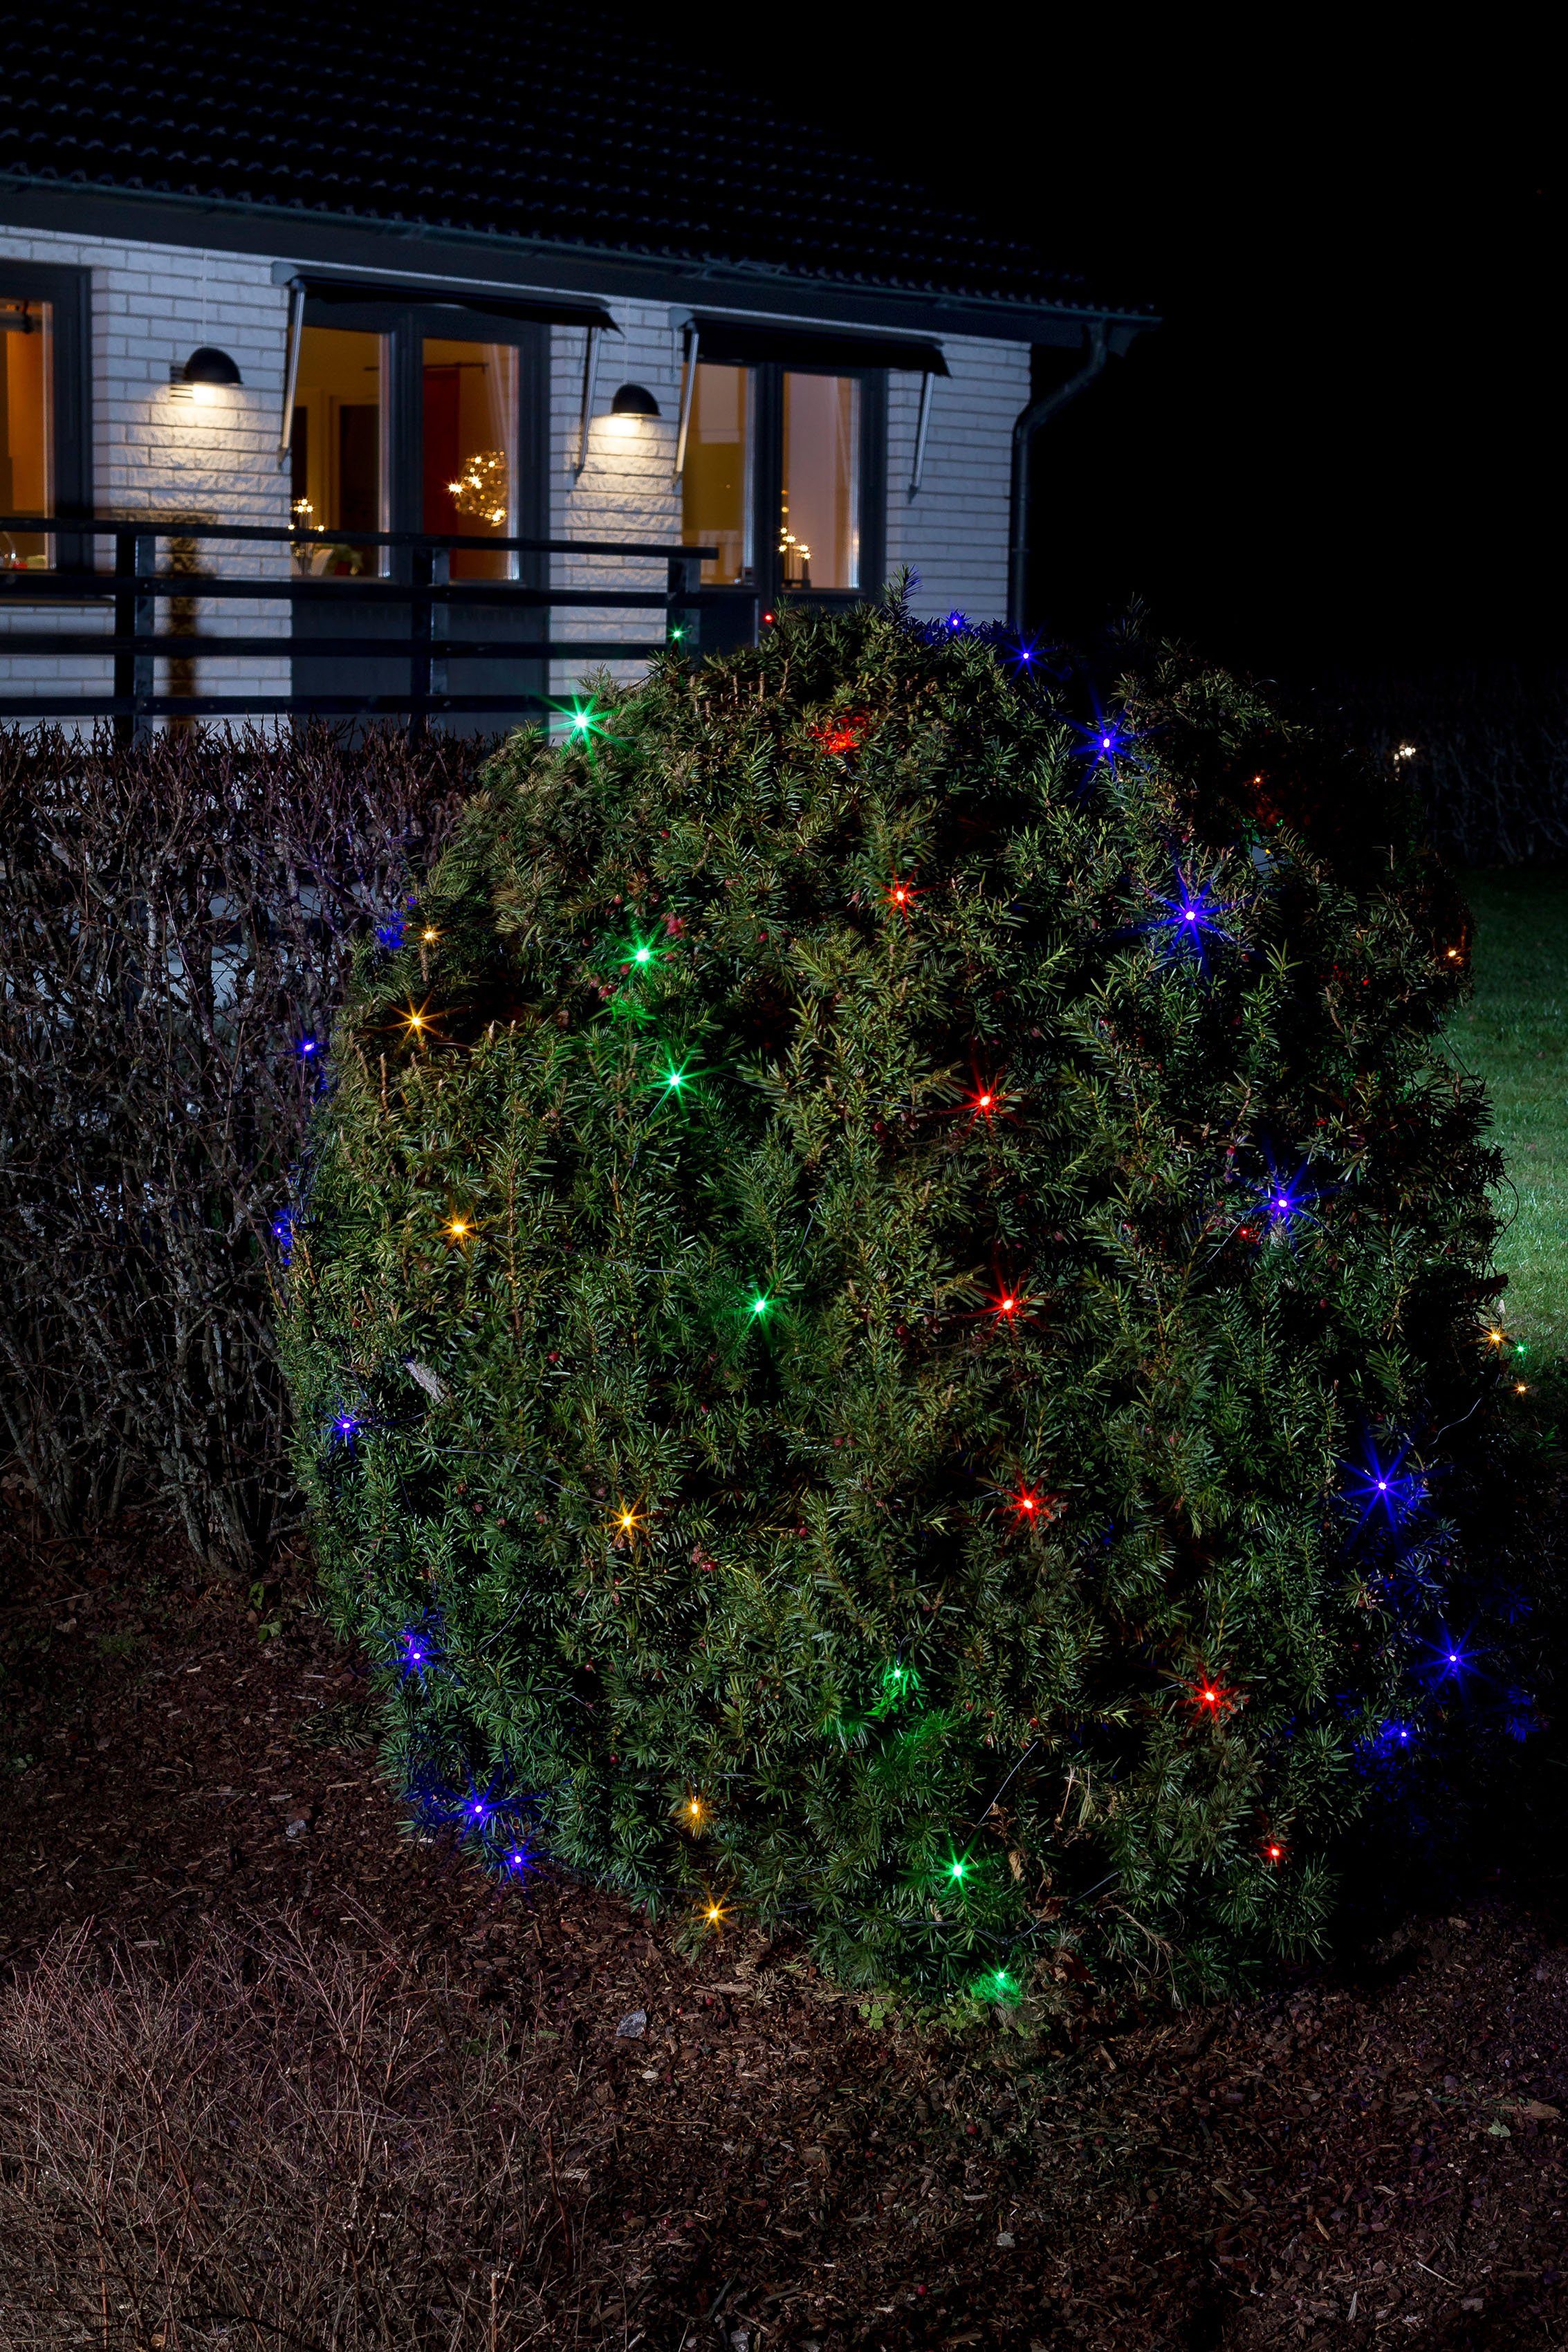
{"points": [[401, 424]]}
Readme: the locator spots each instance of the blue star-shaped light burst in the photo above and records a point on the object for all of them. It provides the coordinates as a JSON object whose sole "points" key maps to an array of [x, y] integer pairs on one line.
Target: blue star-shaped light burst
{"points": [[1448, 1662], [1191, 920], [1390, 1742], [1103, 742], [1284, 1201], [489, 1815], [416, 1649], [1384, 1491], [344, 1427]]}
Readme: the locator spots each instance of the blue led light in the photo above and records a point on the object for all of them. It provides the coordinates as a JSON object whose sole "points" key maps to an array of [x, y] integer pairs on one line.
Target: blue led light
{"points": [[1390, 1742], [1377, 1487], [957, 623], [1283, 1200], [389, 935], [1448, 1661], [308, 1049], [345, 1427], [416, 1651], [1191, 919], [283, 1233]]}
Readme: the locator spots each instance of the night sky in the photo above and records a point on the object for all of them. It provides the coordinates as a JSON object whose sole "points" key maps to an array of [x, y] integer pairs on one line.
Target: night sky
{"points": [[1341, 452]]}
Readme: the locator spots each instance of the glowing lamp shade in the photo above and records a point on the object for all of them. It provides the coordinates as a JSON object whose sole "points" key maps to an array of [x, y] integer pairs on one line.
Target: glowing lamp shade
{"points": [[209, 365], [633, 400]]}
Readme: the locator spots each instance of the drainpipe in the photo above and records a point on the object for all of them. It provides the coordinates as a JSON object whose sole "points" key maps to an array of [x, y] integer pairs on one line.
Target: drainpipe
{"points": [[1028, 425]]}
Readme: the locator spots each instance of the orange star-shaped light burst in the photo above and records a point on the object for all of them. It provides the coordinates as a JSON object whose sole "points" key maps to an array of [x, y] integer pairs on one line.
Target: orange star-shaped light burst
{"points": [[901, 894], [627, 1523]]}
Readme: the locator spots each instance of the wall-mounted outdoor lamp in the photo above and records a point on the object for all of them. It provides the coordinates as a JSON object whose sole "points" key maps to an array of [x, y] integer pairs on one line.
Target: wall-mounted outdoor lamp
{"points": [[206, 365], [633, 400]]}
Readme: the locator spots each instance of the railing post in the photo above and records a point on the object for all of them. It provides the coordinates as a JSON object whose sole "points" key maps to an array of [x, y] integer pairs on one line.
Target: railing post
{"points": [[135, 615], [421, 637], [683, 626]]}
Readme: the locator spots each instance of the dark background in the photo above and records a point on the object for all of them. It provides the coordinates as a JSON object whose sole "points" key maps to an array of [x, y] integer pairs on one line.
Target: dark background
{"points": [[1340, 452]]}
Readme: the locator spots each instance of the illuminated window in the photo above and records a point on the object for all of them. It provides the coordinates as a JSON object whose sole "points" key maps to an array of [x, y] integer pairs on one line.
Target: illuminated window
{"points": [[783, 470], [27, 427], [717, 491], [469, 459], [818, 517], [340, 446]]}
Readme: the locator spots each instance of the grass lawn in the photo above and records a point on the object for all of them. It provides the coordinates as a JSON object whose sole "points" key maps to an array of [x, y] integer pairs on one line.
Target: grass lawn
{"points": [[1514, 1032]]}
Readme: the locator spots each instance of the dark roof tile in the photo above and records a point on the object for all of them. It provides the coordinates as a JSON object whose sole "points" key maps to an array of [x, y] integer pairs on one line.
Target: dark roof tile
{"points": [[466, 117]]}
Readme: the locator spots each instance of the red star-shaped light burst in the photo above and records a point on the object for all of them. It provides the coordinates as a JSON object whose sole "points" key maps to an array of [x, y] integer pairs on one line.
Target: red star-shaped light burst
{"points": [[984, 1101], [1009, 1307], [1211, 1696], [1031, 1507], [901, 894], [839, 736]]}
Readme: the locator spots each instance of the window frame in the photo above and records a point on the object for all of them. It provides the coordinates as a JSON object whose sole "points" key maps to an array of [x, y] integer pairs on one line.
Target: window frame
{"points": [[68, 291], [767, 479], [406, 326]]}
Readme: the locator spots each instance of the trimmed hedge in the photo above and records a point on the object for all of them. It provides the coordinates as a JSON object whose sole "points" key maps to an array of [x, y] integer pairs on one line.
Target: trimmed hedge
{"points": [[877, 1295]]}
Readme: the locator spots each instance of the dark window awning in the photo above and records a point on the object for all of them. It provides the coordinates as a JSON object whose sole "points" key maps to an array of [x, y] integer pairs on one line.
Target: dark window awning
{"points": [[552, 309], [750, 342]]}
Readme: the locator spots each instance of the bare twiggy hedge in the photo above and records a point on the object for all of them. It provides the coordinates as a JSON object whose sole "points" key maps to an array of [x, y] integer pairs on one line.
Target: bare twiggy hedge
{"points": [[287, 2143], [175, 923]]}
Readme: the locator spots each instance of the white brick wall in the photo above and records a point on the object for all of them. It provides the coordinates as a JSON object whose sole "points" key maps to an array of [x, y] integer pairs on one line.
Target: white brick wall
{"points": [[955, 530], [206, 454], [626, 489], [212, 455]]}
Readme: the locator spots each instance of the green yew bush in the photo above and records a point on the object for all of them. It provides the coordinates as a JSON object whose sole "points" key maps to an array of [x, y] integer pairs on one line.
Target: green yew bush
{"points": [[866, 1259]]}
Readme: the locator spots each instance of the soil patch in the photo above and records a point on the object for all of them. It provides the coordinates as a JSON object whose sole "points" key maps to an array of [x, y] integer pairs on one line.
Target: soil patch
{"points": [[1374, 2157]]}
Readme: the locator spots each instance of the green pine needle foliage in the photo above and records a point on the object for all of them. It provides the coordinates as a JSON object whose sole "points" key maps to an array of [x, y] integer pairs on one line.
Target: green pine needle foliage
{"points": [[788, 1309]]}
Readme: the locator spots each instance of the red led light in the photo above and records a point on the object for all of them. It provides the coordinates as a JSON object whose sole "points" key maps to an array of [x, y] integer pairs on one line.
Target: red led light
{"points": [[1275, 1852]]}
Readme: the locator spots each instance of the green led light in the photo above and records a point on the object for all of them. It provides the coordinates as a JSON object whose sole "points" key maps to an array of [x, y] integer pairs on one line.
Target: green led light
{"points": [[898, 1682], [998, 1985], [582, 720], [642, 955], [958, 1869], [673, 1081], [761, 1303]]}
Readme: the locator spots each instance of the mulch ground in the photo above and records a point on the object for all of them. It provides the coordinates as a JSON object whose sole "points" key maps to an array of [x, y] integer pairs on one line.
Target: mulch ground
{"points": [[1351, 2157]]}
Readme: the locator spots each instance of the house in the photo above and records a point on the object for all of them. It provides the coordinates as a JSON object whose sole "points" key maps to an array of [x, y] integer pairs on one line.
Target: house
{"points": [[393, 288]]}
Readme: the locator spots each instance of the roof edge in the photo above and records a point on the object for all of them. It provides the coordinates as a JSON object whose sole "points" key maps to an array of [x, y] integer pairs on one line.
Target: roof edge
{"points": [[526, 264]]}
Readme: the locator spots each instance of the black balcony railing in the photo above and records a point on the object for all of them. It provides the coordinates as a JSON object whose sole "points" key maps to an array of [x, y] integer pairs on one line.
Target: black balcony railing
{"points": [[402, 617]]}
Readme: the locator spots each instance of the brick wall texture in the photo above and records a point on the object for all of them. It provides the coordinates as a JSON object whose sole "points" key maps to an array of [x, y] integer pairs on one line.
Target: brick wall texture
{"points": [[211, 455]]}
